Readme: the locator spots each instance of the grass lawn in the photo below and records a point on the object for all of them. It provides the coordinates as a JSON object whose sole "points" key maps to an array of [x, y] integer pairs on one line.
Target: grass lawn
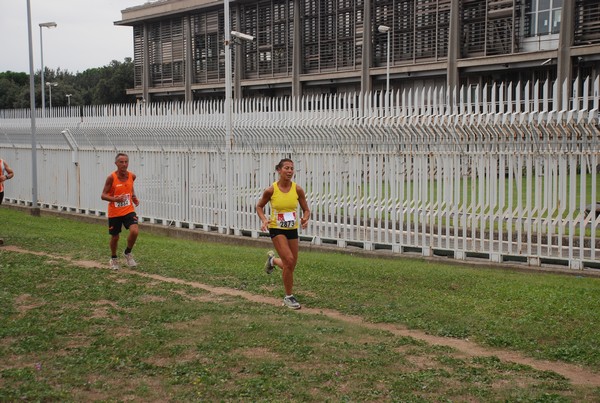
{"points": [[72, 333]]}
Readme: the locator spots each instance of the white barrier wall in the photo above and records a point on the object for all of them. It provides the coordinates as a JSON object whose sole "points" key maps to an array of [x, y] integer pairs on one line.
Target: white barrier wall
{"points": [[500, 175]]}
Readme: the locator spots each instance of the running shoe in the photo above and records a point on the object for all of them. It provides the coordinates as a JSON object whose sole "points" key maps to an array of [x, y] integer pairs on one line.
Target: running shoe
{"points": [[130, 260], [269, 266], [291, 302], [114, 263]]}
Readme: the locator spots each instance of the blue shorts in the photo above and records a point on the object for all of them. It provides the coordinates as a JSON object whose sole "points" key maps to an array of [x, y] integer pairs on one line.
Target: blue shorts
{"points": [[115, 223], [289, 233]]}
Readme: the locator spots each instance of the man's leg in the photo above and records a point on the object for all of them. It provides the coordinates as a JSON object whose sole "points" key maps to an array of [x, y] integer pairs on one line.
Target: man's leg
{"points": [[133, 234], [1, 198], [114, 243]]}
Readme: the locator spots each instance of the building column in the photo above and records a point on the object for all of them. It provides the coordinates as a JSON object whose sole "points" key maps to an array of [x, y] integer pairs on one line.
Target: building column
{"points": [[146, 67], [238, 65], [366, 84], [563, 63], [189, 58], [297, 52], [452, 76]]}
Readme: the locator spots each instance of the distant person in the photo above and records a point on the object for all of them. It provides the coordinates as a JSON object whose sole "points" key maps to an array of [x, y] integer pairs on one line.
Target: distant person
{"points": [[119, 193], [5, 174], [284, 196]]}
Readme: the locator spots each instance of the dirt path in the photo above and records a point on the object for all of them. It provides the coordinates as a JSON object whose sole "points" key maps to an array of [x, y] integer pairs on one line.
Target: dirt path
{"points": [[577, 375]]}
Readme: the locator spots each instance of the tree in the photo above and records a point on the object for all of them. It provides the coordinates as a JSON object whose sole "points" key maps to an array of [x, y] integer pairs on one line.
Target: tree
{"points": [[98, 85], [11, 89]]}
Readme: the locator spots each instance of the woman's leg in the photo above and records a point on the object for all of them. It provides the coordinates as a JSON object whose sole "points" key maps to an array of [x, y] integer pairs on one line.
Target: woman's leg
{"points": [[287, 249]]}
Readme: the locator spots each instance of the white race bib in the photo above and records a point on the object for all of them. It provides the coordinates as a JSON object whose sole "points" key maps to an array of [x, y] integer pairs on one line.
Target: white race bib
{"points": [[123, 203], [286, 220]]}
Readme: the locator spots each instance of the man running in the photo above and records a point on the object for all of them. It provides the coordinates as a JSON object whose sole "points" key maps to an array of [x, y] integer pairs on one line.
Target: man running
{"points": [[5, 174], [119, 193]]}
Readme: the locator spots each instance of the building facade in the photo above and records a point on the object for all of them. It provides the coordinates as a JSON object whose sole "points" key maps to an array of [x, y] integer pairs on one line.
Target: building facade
{"points": [[337, 46]]}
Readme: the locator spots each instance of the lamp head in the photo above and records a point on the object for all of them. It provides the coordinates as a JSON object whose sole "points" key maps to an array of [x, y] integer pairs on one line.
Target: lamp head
{"points": [[48, 24], [241, 35], [384, 29]]}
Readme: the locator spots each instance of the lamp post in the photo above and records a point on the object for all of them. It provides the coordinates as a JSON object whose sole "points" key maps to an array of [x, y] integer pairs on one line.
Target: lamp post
{"points": [[44, 25], [384, 29], [50, 85], [228, 111], [228, 138], [35, 210], [69, 99]]}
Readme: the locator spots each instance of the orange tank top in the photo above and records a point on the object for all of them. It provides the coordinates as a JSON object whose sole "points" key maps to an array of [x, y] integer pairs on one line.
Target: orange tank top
{"points": [[119, 209], [1, 173]]}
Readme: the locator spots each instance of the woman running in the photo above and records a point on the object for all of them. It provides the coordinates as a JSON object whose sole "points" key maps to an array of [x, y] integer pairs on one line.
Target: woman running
{"points": [[284, 196]]}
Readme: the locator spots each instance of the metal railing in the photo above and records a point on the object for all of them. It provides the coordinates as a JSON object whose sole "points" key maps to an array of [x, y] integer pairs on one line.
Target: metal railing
{"points": [[499, 174]]}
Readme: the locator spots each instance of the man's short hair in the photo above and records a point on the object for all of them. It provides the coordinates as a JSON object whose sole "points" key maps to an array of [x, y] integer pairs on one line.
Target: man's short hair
{"points": [[121, 155]]}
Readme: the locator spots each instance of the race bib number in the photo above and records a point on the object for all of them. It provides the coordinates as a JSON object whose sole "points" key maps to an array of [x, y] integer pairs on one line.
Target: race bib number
{"points": [[286, 220], [124, 203]]}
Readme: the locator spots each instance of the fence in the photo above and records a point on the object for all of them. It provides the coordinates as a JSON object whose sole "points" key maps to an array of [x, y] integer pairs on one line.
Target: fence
{"points": [[507, 173]]}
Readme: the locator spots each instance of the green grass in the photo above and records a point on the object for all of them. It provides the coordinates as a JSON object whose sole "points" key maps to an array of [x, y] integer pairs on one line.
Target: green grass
{"points": [[80, 334]]}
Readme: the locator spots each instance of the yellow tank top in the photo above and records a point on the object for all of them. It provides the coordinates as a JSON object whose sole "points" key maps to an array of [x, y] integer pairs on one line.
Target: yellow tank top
{"points": [[283, 208]]}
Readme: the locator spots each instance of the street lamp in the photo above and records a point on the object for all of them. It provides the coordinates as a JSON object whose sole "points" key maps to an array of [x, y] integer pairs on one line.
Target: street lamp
{"points": [[228, 111], [35, 210], [384, 29], [228, 139], [50, 85], [44, 25], [69, 99]]}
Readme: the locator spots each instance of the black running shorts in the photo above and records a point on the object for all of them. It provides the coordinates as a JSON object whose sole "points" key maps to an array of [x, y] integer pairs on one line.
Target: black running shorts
{"points": [[115, 223], [289, 233]]}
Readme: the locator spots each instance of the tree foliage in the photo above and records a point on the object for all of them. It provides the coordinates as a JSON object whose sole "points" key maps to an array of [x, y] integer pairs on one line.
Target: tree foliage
{"points": [[95, 86]]}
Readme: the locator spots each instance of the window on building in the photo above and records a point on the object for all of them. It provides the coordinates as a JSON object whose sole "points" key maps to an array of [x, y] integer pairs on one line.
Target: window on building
{"points": [[419, 29], [208, 47], [165, 50], [542, 17], [332, 35], [271, 22], [138, 55], [587, 22]]}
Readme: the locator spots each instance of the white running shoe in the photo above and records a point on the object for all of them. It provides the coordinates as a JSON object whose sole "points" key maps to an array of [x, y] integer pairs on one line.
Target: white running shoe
{"points": [[291, 302], [269, 266], [114, 263], [130, 260]]}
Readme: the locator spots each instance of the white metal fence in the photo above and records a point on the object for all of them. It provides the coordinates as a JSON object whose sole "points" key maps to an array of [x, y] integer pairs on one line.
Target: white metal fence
{"points": [[506, 173]]}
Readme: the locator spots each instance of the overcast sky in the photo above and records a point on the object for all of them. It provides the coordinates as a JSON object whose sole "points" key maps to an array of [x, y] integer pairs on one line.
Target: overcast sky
{"points": [[84, 38]]}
